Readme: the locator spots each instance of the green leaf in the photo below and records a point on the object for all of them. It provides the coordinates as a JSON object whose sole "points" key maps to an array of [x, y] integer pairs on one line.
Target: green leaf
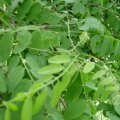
{"points": [[15, 76], [96, 43], [35, 62], [117, 49], [59, 88], [78, 8], [117, 108], [38, 41], [7, 115], [56, 93], [54, 20], [26, 113], [12, 106], [93, 24], [99, 74], [75, 109], [23, 86], [3, 87], [23, 41], [112, 116], [2, 114], [69, 1], [20, 96], [107, 45], [89, 66], [14, 5], [82, 117], [73, 91], [107, 81], [34, 12], [56, 116], [13, 62], [35, 87], [112, 88], [51, 69], [23, 10], [45, 78], [59, 59], [92, 107], [6, 44], [91, 85], [39, 102]]}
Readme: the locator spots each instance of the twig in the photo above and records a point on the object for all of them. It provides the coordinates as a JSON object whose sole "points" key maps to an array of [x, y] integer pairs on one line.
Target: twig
{"points": [[22, 59]]}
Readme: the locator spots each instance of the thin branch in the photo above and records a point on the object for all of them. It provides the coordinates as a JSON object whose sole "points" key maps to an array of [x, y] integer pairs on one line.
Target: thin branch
{"points": [[69, 34], [24, 64]]}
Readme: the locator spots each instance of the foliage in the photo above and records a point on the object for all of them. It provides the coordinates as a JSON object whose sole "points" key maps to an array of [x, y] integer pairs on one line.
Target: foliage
{"points": [[59, 60]]}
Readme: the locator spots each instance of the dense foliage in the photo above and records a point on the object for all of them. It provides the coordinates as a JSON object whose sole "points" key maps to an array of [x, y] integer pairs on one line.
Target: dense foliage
{"points": [[59, 60]]}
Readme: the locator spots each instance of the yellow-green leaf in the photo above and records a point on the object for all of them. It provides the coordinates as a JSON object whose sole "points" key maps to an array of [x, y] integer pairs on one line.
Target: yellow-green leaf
{"points": [[7, 114], [40, 100], [99, 74], [59, 59], [89, 66], [27, 109], [107, 81], [12, 106], [59, 88], [51, 69]]}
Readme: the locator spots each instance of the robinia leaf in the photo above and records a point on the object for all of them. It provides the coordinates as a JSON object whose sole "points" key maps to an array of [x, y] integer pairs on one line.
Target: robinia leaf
{"points": [[91, 85], [2, 83], [40, 100], [75, 109], [107, 81], [59, 88], [14, 5], [112, 88], [6, 44], [7, 114], [23, 39], [15, 76], [23, 10], [69, 1], [89, 66], [12, 106], [51, 69], [93, 24], [78, 8], [112, 116], [59, 59], [27, 109], [117, 108], [99, 74]]}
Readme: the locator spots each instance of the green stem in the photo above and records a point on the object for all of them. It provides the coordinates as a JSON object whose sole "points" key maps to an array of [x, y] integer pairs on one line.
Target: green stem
{"points": [[24, 64]]}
